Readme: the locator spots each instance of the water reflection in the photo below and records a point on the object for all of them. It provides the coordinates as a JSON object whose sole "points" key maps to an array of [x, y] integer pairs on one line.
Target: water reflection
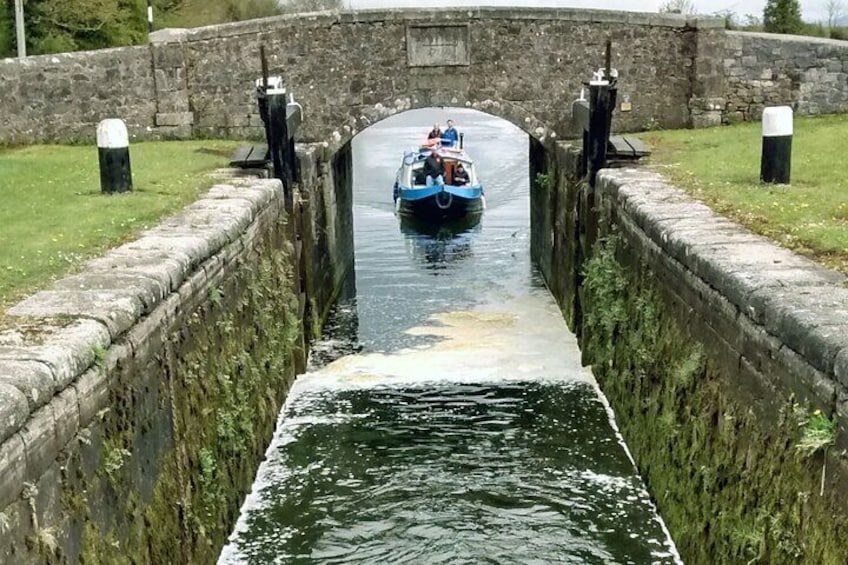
{"points": [[411, 226], [436, 245]]}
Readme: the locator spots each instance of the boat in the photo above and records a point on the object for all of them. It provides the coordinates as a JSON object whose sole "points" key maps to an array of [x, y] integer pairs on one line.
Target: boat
{"points": [[437, 202]]}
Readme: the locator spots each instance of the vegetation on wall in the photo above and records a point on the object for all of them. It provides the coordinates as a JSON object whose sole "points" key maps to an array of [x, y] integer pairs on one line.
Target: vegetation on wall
{"points": [[731, 487], [223, 374]]}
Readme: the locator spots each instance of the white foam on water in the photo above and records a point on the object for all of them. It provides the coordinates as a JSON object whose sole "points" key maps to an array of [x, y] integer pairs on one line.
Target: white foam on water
{"points": [[669, 541], [518, 340]]}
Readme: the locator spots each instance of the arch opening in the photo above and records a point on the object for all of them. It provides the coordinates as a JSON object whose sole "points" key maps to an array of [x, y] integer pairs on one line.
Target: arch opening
{"points": [[510, 164]]}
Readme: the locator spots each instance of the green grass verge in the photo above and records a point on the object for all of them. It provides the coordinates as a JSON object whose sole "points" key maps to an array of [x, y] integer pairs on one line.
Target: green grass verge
{"points": [[54, 217], [721, 166]]}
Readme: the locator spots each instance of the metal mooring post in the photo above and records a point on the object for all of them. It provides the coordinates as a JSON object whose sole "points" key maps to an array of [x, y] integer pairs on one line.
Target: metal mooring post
{"points": [[278, 134], [113, 150], [282, 117], [294, 117], [602, 95], [776, 161]]}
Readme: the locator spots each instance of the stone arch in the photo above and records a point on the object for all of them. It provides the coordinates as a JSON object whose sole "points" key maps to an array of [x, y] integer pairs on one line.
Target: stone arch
{"points": [[357, 119]]}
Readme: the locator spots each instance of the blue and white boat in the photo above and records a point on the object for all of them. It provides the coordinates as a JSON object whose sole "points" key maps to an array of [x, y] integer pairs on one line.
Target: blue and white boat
{"points": [[437, 202]]}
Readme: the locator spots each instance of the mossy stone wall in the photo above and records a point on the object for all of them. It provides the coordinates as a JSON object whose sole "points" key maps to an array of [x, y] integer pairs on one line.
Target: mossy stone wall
{"points": [[168, 422], [716, 410]]}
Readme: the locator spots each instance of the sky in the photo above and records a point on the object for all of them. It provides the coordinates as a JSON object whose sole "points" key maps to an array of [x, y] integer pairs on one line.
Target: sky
{"points": [[811, 10]]}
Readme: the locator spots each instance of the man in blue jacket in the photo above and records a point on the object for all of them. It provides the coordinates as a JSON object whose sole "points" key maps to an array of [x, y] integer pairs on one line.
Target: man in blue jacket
{"points": [[450, 135]]}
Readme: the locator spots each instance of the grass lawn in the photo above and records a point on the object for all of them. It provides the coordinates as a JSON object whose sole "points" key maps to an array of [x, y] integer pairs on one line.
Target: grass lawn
{"points": [[53, 217], [721, 167]]}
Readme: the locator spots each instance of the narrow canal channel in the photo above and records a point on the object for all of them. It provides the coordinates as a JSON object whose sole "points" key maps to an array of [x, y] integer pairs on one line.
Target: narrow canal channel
{"points": [[465, 431]]}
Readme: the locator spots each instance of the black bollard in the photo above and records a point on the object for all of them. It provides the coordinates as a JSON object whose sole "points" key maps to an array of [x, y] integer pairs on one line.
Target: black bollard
{"points": [[278, 137], [599, 127], [113, 150], [776, 161], [149, 16], [602, 97]]}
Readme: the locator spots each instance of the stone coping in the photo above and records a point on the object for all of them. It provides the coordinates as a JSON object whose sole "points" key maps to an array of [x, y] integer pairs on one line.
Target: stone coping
{"points": [[794, 299], [785, 38], [437, 16], [70, 57], [52, 380]]}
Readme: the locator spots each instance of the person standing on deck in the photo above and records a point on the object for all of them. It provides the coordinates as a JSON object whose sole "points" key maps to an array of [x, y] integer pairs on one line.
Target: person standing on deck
{"points": [[435, 133], [450, 136], [434, 168]]}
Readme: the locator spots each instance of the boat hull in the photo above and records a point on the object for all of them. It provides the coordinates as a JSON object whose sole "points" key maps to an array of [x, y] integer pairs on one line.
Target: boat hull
{"points": [[444, 202]]}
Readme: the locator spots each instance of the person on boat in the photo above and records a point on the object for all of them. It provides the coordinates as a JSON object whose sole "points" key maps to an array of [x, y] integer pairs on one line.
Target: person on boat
{"points": [[450, 135], [460, 175], [435, 133], [434, 169]]}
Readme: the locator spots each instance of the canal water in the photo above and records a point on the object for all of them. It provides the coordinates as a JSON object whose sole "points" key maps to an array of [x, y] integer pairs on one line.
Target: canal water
{"points": [[446, 418]]}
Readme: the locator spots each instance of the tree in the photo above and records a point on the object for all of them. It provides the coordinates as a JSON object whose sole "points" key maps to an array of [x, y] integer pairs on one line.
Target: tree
{"points": [[70, 25], [678, 7], [7, 29], [782, 16], [834, 12]]}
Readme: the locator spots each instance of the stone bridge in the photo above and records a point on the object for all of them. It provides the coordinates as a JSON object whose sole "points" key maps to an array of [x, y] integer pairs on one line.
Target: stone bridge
{"points": [[352, 69]]}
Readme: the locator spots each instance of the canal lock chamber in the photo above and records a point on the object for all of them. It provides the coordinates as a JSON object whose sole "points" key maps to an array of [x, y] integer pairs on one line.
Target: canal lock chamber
{"points": [[446, 416]]}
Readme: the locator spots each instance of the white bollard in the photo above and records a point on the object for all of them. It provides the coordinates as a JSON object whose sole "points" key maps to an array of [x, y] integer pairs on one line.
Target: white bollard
{"points": [[113, 149], [775, 165]]}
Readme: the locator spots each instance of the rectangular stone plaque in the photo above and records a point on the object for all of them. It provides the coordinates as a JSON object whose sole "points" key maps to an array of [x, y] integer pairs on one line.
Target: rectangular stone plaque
{"points": [[437, 46]]}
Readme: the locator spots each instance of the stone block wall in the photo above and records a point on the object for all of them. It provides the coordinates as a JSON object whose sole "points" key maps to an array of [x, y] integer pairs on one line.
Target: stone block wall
{"points": [[174, 117], [137, 397], [716, 348], [327, 220], [707, 102], [62, 97], [761, 69]]}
